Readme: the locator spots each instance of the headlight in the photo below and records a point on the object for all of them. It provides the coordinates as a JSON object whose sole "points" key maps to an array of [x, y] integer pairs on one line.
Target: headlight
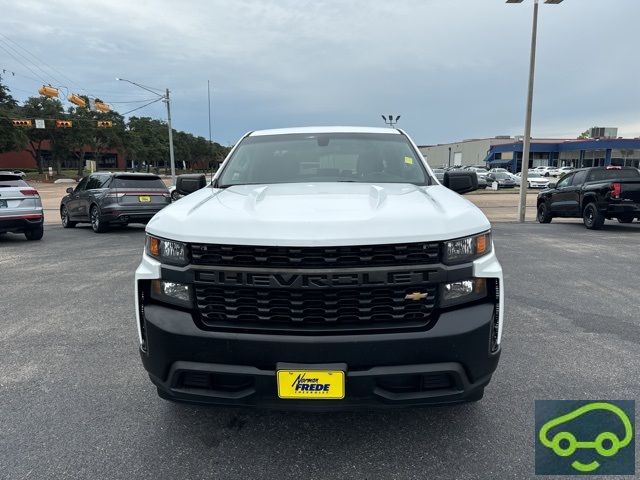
{"points": [[462, 292], [167, 251], [467, 249], [172, 292]]}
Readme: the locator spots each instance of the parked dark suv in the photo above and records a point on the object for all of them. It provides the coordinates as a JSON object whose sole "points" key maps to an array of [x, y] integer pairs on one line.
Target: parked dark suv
{"points": [[104, 199]]}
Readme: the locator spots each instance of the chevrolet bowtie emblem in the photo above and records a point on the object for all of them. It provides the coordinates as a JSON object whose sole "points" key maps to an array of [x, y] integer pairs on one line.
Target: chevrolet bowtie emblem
{"points": [[415, 296]]}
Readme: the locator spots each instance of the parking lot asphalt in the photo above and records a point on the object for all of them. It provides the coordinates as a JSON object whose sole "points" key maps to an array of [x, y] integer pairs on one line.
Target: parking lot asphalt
{"points": [[75, 401]]}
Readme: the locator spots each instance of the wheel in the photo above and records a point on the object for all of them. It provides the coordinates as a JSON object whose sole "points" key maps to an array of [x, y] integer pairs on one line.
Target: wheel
{"points": [[592, 218], [97, 225], [35, 234], [544, 214], [625, 219], [175, 196], [64, 216]]}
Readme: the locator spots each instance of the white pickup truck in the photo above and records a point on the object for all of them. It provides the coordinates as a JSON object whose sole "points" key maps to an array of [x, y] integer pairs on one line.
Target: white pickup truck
{"points": [[321, 268]]}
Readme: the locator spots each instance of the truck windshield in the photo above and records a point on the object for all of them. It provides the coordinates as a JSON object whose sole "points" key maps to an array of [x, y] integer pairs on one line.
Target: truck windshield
{"points": [[613, 174], [327, 157]]}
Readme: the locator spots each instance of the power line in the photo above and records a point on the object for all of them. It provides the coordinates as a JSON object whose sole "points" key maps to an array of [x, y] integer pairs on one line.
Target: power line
{"points": [[41, 61], [135, 101], [146, 105], [23, 64], [6, 71], [46, 74]]}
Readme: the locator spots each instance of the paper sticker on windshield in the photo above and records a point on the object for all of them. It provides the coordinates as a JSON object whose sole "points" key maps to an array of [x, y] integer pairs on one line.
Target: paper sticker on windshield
{"points": [[408, 160]]}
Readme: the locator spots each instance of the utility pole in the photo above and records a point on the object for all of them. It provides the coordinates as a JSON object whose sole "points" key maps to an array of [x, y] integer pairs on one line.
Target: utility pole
{"points": [[526, 147], [213, 160], [167, 100]]}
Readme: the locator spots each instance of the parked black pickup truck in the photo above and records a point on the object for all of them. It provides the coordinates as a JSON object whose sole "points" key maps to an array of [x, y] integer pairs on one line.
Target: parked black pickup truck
{"points": [[593, 194]]}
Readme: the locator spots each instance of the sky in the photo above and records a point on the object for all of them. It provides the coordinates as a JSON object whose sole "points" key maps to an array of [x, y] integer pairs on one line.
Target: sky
{"points": [[453, 69]]}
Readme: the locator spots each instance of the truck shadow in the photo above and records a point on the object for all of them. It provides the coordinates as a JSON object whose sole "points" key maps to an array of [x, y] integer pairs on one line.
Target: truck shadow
{"points": [[370, 444]]}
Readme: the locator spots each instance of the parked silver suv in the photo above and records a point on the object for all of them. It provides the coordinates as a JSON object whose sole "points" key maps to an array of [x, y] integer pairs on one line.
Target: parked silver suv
{"points": [[105, 199], [20, 207]]}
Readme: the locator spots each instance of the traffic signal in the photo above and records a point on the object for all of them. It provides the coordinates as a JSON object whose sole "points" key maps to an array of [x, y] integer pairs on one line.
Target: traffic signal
{"points": [[63, 124], [105, 123], [22, 123], [48, 91], [77, 100], [102, 107]]}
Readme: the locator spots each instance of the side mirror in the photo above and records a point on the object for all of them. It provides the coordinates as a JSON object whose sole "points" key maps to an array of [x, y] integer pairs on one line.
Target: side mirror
{"points": [[552, 185], [461, 181], [69, 189], [187, 184]]}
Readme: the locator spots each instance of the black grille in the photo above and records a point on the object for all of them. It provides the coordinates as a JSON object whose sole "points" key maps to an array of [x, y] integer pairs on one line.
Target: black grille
{"points": [[316, 257], [314, 310]]}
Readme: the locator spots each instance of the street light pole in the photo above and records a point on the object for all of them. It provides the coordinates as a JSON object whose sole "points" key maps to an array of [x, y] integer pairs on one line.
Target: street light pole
{"points": [[172, 159], [526, 146], [166, 99]]}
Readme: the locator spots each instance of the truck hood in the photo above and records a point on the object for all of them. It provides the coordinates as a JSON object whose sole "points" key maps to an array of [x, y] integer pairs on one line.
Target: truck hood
{"points": [[319, 214]]}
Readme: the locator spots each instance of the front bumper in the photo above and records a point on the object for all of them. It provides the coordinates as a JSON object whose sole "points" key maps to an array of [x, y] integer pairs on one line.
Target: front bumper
{"points": [[448, 363]]}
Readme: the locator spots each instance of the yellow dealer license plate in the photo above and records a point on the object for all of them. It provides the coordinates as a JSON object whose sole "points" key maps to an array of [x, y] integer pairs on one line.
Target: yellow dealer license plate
{"points": [[311, 384], [144, 198]]}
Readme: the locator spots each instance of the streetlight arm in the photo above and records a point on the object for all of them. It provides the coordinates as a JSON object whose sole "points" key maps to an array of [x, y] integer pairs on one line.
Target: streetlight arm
{"points": [[138, 85]]}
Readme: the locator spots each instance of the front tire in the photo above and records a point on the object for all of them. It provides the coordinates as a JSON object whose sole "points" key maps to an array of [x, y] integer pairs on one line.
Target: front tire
{"points": [[175, 196], [64, 216], [592, 218], [97, 225], [35, 234], [544, 213]]}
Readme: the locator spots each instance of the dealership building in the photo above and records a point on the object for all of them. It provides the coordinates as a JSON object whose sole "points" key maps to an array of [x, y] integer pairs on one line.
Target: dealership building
{"points": [[506, 152]]}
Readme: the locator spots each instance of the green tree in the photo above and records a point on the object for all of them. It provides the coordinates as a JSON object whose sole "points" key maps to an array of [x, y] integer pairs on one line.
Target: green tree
{"points": [[48, 109], [103, 139], [585, 134], [74, 143], [154, 139], [11, 138]]}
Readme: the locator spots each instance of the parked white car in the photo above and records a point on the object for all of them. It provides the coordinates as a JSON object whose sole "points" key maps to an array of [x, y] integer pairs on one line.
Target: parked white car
{"points": [[545, 171], [562, 170], [534, 180]]}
